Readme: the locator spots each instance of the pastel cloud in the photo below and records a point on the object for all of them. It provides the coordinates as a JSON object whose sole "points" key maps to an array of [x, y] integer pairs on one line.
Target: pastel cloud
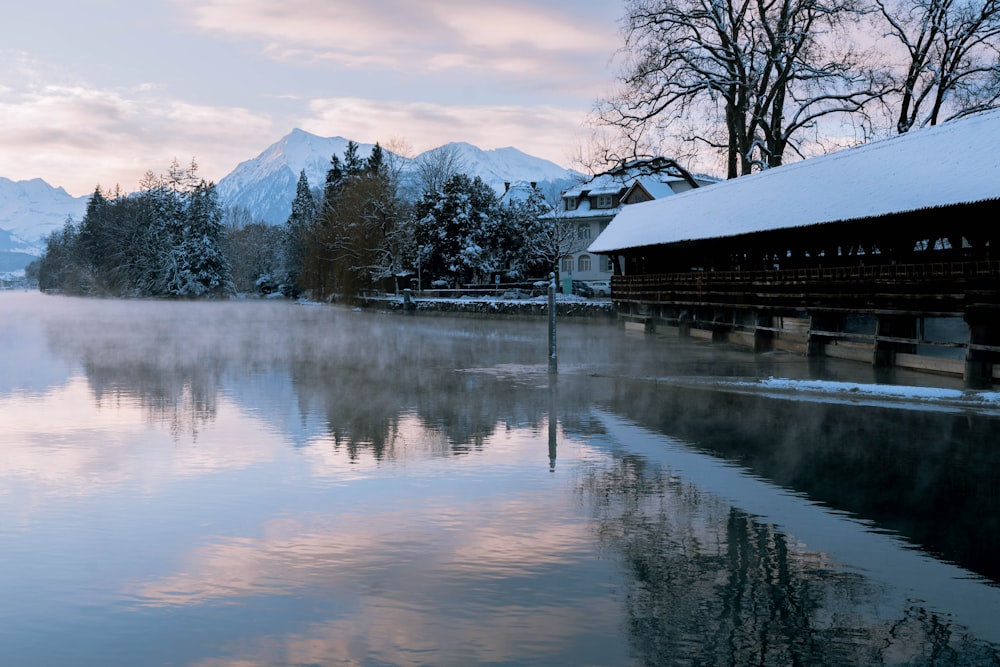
{"points": [[112, 136], [545, 131], [520, 38]]}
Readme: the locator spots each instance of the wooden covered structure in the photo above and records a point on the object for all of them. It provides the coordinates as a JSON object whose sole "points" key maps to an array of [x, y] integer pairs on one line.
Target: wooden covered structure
{"points": [[885, 253]]}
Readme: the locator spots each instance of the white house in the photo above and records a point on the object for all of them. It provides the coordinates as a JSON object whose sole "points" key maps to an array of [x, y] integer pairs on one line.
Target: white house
{"points": [[587, 209]]}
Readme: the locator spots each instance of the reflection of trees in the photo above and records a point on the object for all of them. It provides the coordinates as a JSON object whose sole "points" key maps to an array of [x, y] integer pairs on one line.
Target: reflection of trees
{"points": [[930, 476], [711, 585], [361, 372], [171, 377]]}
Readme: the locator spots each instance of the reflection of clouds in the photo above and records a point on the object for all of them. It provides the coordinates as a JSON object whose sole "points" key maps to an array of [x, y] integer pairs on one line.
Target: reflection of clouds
{"points": [[63, 443], [25, 360], [406, 600], [375, 551], [430, 568], [383, 632]]}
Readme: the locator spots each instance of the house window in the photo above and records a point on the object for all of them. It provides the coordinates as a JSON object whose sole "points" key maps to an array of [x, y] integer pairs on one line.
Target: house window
{"points": [[609, 264], [566, 266], [583, 231], [571, 203], [584, 263], [605, 201]]}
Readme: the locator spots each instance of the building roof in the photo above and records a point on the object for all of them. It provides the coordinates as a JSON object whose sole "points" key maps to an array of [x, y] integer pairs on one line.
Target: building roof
{"points": [[656, 185], [953, 163], [517, 192]]}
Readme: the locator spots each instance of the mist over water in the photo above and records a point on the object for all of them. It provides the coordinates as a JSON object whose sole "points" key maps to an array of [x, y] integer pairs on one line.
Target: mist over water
{"points": [[268, 483]]}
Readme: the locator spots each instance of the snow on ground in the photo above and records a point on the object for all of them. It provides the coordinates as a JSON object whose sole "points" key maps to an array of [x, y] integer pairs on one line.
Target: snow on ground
{"points": [[493, 298], [899, 396]]}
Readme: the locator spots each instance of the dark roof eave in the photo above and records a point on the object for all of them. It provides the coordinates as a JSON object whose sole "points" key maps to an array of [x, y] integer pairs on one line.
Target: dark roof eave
{"points": [[689, 241]]}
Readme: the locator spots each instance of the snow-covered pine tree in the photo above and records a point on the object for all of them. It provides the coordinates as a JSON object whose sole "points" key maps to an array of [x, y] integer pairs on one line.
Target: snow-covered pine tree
{"points": [[295, 235], [457, 228], [198, 267]]}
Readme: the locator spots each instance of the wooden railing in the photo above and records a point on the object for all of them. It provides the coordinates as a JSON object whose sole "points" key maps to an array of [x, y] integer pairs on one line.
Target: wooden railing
{"points": [[947, 287], [891, 272]]}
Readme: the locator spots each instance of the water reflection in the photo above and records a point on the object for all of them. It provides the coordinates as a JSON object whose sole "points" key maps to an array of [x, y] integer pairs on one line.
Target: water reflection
{"points": [[712, 584], [931, 477], [283, 484]]}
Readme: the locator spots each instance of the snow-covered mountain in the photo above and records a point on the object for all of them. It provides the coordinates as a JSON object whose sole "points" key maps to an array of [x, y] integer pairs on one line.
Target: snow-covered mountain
{"points": [[508, 165], [30, 210], [265, 186]]}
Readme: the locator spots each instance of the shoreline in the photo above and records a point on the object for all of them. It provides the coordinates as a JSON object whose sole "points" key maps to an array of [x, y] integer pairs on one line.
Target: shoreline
{"points": [[528, 308]]}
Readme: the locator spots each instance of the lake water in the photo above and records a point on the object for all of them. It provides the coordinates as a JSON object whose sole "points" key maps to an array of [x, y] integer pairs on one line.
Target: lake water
{"points": [[264, 483]]}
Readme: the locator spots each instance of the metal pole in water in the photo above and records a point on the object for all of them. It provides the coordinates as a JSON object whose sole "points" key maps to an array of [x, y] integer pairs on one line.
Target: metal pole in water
{"points": [[553, 365]]}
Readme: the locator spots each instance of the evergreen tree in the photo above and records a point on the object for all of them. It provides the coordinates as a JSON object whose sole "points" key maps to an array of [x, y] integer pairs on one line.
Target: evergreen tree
{"points": [[163, 240], [96, 235], [198, 266], [376, 165], [295, 234], [460, 230], [354, 242], [255, 252], [62, 266], [335, 177], [353, 162]]}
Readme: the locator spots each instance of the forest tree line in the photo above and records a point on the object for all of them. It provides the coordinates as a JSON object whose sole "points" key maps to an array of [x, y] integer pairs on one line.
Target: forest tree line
{"points": [[358, 232], [164, 240]]}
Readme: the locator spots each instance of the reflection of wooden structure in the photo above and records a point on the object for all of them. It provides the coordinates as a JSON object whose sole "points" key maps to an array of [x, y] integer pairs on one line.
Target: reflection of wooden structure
{"points": [[885, 253]]}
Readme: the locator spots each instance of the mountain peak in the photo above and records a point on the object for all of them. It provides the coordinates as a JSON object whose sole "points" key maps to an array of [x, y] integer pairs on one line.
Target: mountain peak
{"points": [[30, 210]]}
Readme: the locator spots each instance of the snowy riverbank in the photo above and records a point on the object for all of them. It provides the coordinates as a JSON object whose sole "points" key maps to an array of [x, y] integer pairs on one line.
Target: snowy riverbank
{"points": [[567, 305], [905, 397]]}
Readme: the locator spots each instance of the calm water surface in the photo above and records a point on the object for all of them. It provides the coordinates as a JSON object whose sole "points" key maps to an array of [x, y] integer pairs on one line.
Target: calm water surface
{"points": [[263, 483]]}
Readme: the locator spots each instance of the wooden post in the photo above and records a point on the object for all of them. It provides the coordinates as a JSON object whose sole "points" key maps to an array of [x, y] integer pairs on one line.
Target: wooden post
{"points": [[553, 361], [894, 326], [983, 330], [762, 338], [815, 343]]}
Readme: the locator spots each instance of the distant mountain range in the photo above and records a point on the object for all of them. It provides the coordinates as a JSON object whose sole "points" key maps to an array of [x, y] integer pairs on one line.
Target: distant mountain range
{"points": [[263, 187], [29, 211]]}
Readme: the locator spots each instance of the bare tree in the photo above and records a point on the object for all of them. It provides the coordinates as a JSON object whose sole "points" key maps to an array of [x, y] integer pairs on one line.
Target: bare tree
{"points": [[548, 233], [748, 78], [435, 167], [952, 66]]}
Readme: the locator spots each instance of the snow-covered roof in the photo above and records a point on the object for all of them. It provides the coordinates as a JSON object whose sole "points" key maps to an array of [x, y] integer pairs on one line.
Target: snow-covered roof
{"points": [[518, 191], [607, 184], [603, 184], [953, 163], [657, 188]]}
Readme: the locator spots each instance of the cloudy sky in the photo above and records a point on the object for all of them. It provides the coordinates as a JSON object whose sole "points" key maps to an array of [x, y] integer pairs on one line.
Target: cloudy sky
{"points": [[99, 92]]}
